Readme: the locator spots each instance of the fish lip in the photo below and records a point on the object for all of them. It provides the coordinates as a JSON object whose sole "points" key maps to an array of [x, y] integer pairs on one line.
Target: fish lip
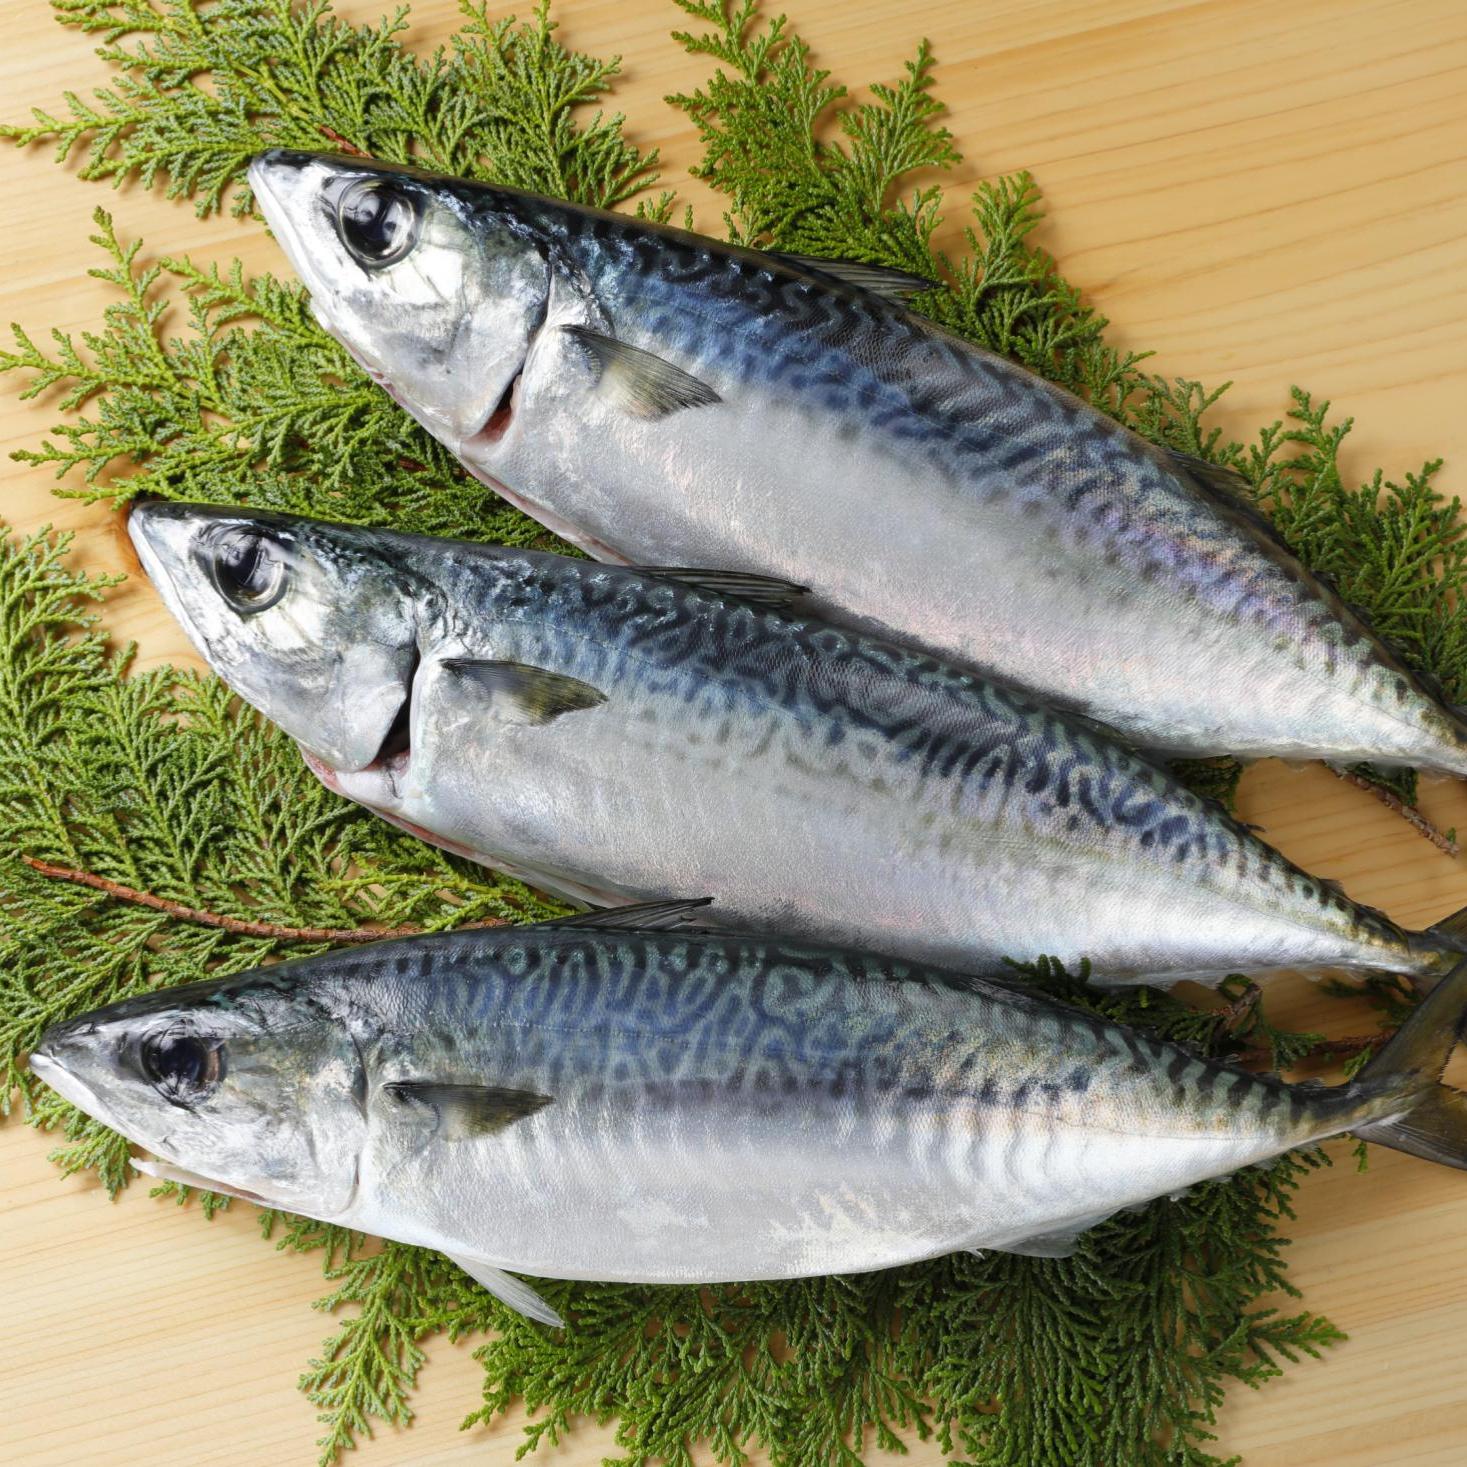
{"points": [[326, 773], [66, 1083], [140, 515], [279, 218]]}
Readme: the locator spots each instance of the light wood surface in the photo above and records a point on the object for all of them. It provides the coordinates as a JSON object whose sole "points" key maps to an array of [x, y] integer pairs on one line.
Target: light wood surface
{"points": [[1264, 192]]}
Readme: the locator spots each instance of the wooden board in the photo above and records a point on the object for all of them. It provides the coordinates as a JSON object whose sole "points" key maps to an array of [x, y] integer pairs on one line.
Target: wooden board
{"points": [[1263, 192]]}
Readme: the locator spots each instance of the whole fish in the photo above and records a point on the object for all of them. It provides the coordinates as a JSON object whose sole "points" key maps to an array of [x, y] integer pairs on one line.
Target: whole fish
{"points": [[590, 1103], [615, 735], [657, 397]]}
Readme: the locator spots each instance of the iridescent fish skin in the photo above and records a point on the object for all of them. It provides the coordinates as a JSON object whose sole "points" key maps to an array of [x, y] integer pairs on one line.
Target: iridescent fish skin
{"points": [[616, 736], [662, 398], [666, 1107]]}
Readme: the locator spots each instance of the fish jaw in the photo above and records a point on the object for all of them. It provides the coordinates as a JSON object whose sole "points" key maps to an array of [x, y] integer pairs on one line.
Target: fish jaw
{"points": [[326, 651], [243, 1081]]}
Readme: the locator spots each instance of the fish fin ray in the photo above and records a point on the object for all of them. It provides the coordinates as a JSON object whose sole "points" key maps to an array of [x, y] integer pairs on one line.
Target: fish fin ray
{"points": [[165, 1171], [640, 382], [1452, 929], [516, 1293], [892, 285], [1058, 1242], [1406, 1107], [1227, 489], [465, 1112], [535, 694], [640, 917], [767, 591]]}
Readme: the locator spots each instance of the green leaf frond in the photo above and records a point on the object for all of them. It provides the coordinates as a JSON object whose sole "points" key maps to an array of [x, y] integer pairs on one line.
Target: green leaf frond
{"points": [[204, 85], [252, 404], [208, 384]]}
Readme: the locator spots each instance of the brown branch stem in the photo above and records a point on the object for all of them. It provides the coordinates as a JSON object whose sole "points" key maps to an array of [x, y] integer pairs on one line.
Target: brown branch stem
{"points": [[1412, 816], [242, 926], [1240, 1009], [345, 144]]}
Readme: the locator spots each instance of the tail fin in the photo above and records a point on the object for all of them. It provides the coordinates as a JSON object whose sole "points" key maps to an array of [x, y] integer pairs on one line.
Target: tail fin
{"points": [[1408, 1071], [1452, 930]]}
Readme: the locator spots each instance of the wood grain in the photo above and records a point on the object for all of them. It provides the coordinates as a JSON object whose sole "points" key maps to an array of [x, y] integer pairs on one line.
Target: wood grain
{"points": [[1263, 192]]}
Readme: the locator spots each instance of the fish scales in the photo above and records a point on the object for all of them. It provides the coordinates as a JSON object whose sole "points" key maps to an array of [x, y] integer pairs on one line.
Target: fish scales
{"points": [[922, 488], [682, 1105], [617, 735]]}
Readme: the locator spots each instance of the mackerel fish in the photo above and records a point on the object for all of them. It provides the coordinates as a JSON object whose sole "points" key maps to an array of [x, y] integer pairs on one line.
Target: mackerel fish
{"points": [[585, 1102], [658, 397], [616, 735]]}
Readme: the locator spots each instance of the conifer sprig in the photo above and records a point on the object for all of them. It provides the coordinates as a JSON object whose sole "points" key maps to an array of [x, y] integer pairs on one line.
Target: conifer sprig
{"points": [[204, 85], [164, 784]]}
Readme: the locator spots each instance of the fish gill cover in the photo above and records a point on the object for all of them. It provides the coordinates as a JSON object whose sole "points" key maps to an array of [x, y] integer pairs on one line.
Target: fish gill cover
{"points": [[160, 783]]}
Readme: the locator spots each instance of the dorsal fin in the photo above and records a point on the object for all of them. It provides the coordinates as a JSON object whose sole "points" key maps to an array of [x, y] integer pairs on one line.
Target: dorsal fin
{"points": [[770, 591], [892, 285], [1228, 490], [641, 917]]}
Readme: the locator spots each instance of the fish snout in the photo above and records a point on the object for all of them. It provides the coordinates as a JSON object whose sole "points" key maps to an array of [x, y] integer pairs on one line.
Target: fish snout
{"points": [[59, 1042]]}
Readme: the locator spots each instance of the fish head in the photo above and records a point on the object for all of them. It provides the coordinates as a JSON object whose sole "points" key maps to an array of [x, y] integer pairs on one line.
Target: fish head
{"points": [[314, 624], [250, 1085], [434, 289]]}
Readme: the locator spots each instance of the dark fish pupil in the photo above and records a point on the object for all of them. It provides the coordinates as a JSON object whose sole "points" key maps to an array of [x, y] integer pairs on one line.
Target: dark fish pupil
{"points": [[248, 569], [240, 564], [180, 1064], [377, 223]]}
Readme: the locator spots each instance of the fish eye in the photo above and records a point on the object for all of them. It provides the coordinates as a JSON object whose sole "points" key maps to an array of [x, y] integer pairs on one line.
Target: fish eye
{"points": [[378, 222], [181, 1066], [248, 568]]}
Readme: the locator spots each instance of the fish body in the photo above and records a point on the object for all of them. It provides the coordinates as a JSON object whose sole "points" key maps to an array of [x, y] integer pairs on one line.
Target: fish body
{"points": [[682, 1106], [658, 397], [615, 736]]}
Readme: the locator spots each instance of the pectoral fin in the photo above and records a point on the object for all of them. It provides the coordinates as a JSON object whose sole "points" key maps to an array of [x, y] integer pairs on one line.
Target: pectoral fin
{"points": [[519, 693], [637, 381], [464, 1112], [508, 1290]]}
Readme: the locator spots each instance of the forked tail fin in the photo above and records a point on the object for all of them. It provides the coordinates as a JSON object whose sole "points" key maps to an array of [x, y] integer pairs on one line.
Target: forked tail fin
{"points": [[1430, 1119], [1452, 930]]}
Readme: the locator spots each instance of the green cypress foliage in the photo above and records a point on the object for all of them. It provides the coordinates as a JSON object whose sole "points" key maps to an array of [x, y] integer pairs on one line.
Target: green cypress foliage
{"points": [[163, 783]]}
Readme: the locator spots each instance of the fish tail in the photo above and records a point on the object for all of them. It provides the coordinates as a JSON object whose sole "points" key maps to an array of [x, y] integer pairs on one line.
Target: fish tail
{"points": [[1402, 1085], [1452, 931], [1437, 949]]}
